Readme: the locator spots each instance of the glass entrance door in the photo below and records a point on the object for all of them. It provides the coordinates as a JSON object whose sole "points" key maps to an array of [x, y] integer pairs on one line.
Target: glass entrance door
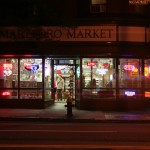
{"points": [[64, 82]]}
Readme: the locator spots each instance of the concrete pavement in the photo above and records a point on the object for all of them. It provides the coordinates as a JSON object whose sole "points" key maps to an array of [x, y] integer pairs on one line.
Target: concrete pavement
{"points": [[58, 113]]}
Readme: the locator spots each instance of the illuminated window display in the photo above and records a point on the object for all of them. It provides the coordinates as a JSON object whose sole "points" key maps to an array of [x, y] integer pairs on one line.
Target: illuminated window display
{"points": [[130, 73], [31, 70], [130, 78], [98, 77], [8, 78], [30, 77], [8, 73], [95, 78]]}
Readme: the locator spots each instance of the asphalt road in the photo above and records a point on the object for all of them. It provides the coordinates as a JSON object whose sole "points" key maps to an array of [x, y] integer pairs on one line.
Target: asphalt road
{"points": [[102, 136]]}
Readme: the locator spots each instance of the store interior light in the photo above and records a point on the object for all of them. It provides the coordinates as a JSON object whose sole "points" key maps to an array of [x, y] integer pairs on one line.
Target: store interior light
{"points": [[111, 77], [146, 71]]}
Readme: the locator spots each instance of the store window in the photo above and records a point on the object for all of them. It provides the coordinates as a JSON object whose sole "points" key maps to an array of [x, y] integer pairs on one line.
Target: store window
{"points": [[31, 78], [98, 77], [8, 78], [130, 77], [130, 73]]}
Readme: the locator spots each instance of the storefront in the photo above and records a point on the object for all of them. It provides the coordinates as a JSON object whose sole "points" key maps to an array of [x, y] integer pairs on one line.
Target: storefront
{"points": [[106, 74]]}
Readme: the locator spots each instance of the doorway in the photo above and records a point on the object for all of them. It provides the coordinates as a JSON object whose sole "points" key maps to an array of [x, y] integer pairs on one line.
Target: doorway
{"points": [[67, 73]]}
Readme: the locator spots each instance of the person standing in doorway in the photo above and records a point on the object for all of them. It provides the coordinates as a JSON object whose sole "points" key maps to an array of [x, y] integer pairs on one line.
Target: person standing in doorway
{"points": [[60, 87]]}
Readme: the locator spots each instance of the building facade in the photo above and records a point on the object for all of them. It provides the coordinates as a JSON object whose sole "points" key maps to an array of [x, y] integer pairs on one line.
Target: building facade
{"points": [[99, 48]]}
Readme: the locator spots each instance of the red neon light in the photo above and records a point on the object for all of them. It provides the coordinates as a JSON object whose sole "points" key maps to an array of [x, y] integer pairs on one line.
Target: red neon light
{"points": [[27, 65], [91, 64], [6, 93]]}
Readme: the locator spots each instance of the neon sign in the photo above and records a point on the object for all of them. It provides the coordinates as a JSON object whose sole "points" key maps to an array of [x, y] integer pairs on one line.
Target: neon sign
{"points": [[6, 93], [31, 66], [7, 69], [129, 67], [105, 65], [91, 64], [129, 93]]}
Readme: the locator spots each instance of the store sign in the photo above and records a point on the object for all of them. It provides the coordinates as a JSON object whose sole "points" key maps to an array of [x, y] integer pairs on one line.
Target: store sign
{"points": [[81, 33], [139, 2]]}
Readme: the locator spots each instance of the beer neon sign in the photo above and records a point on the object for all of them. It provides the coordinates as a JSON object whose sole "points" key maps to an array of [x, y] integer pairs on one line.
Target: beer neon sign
{"points": [[91, 64], [31, 66], [7, 69], [129, 67]]}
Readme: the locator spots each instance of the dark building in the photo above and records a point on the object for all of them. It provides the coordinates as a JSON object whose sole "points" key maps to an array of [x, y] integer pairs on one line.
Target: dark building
{"points": [[99, 47]]}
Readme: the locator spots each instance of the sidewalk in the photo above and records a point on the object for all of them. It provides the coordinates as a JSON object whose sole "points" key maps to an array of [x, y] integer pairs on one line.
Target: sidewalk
{"points": [[57, 113]]}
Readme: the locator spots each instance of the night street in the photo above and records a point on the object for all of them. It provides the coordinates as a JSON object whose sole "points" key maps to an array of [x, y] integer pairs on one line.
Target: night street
{"points": [[40, 135]]}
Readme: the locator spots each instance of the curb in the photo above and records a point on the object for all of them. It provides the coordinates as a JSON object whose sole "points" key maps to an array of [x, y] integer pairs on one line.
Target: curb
{"points": [[67, 120]]}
